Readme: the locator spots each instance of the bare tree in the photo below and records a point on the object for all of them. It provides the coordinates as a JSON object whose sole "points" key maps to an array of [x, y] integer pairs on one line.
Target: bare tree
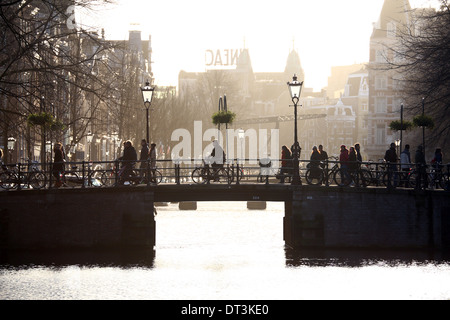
{"points": [[421, 58], [48, 65]]}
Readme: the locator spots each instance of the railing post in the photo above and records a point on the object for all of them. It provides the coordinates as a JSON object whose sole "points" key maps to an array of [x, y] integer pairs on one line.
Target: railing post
{"points": [[148, 172], [19, 180], [177, 173], [377, 177], [50, 173], [116, 173], [83, 174], [327, 184], [238, 169]]}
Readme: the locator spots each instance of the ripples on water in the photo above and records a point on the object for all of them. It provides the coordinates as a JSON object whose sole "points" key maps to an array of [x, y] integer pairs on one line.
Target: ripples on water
{"points": [[224, 251]]}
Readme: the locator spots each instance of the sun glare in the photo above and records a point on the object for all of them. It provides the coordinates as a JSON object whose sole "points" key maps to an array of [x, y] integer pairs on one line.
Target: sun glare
{"points": [[326, 33]]}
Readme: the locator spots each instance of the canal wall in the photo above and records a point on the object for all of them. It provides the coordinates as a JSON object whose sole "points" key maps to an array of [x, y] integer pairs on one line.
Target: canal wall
{"points": [[83, 218], [367, 218]]}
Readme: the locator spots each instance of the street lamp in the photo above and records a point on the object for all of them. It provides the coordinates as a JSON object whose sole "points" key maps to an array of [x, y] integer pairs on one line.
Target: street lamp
{"points": [[397, 144], [115, 137], [11, 143], [147, 95], [89, 138], [295, 89]]}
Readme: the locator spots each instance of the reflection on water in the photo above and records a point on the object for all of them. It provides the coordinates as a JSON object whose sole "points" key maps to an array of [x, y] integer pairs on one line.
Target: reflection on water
{"points": [[224, 251], [86, 258], [364, 257]]}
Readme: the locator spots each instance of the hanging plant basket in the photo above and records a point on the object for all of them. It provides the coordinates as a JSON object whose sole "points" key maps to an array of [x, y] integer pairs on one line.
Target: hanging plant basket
{"points": [[423, 121], [397, 125], [42, 119], [57, 125], [223, 117]]}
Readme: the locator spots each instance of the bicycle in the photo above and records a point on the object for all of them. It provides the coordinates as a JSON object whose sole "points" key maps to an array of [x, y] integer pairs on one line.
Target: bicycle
{"points": [[317, 175], [73, 177], [109, 177], [206, 174], [17, 176], [359, 177]]}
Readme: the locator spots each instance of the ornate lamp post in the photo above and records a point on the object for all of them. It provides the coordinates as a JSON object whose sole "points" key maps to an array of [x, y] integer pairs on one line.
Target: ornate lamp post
{"points": [[147, 96], [295, 89]]}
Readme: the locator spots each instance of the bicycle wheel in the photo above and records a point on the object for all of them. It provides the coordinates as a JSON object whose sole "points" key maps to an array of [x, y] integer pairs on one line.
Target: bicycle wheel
{"points": [[156, 177], [391, 178], [37, 180], [7, 180], [222, 176], [314, 176], [342, 178], [199, 175], [107, 178], [366, 177]]}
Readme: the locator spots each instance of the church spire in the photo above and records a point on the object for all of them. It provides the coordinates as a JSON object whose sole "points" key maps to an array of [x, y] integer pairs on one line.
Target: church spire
{"points": [[293, 66]]}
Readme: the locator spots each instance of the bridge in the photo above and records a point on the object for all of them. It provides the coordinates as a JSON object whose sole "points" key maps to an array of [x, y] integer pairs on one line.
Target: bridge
{"points": [[316, 216]]}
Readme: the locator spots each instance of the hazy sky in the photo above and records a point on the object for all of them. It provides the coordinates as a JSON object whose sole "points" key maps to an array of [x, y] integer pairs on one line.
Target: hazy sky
{"points": [[326, 33]]}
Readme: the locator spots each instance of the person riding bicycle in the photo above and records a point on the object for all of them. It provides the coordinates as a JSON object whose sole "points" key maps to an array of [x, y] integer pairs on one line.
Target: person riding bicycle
{"points": [[128, 159], [217, 158]]}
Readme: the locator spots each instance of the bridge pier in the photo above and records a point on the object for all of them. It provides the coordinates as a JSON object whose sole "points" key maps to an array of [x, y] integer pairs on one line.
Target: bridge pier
{"points": [[355, 218], [82, 218], [256, 205]]}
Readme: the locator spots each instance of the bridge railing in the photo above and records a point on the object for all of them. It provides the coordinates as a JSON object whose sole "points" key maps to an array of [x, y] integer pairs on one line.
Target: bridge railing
{"points": [[97, 174]]}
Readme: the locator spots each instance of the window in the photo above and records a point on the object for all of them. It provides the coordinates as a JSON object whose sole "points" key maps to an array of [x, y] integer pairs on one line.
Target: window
{"points": [[380, 134], [380, 105], [380, 83]]}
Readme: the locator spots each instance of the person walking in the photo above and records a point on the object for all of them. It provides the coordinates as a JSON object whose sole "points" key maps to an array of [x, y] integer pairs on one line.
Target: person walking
{"points": [[352, 164], [58, 164], [128, 159], [343, 160], [152, 155], [421, 167], [391, 158], [286, 163], [405, 165], [358, 153]]}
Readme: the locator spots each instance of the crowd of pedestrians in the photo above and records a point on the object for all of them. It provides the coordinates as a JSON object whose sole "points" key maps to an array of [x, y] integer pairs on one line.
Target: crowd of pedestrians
{"points": [[398, 167]]}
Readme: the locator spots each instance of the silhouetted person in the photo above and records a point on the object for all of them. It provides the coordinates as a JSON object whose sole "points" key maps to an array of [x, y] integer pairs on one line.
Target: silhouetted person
{"points": [[343, 159], [405, 164], [286, 163], [58, 163], [143, 158], [128, 159], [421, 167], [218, 159], [391, 158], [323, 153], [358, 153]]}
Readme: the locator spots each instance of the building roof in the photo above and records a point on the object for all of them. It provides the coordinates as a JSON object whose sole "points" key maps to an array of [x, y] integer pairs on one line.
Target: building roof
{"points": [[398, 11]]}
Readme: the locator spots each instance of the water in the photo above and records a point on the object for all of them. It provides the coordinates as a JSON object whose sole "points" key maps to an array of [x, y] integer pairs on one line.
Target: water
{"points": [[223, 251]]}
